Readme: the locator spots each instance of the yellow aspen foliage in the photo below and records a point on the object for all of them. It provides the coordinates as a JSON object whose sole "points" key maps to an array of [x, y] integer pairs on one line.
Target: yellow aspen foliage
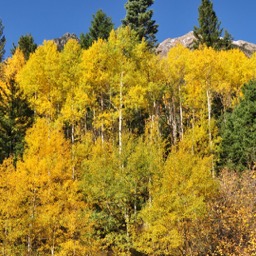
{"points": [[137, 64], [178, 58], [202, 82], [252, 61], [14, 64], [174, 94], [237, 70], [12, 223], [117, 186], [136, 94], [122, 154], [124, 77], [53, 214], [167, 226], [112, 70], [75, 97], [202, 79], [150, 80], [10, 69], [95, 79], [39, 78], [94, 65]]}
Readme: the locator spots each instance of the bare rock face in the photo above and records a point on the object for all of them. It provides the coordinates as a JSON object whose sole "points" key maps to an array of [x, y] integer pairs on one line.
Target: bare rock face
{"points": [[64, 39], [187, 41], [246, 47]]}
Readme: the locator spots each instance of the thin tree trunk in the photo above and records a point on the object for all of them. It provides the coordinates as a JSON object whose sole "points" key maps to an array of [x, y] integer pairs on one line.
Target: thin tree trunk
{"points": [[29, 245], [209, 108], [181, 115], [193, 131], [102, 125], [135, 201], [73, 150], [53, 243], [149, 195], [127, 222], [120, 114], [174, 122]]}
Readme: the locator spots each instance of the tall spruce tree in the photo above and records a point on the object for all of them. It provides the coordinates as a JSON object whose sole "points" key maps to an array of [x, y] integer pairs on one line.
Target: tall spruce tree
{"points": [[2, 41], [239, 133], [15, 113], [139, 18], [101, 26], [209, 32], [26, 44]]}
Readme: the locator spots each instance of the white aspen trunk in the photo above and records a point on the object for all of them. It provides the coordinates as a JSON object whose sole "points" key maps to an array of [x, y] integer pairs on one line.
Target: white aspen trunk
{"points": [[102, 125], [135, 201], [120, 119], [181, 116], [73, 150], [73, 138], [74, 249], [29, 245], [152, 123], [171, 120], [174, 123], [209, 107], [193, 132], [208, 94], [127, 221], [34, 107], [93, 118], [52, 250], [85, 125], [53, 241], [72, 133], [29, 241], [149, 196], [5, 240]]}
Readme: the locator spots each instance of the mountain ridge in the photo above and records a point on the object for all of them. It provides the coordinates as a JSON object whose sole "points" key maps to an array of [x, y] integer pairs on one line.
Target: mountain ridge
{"points": [[187, 41]]}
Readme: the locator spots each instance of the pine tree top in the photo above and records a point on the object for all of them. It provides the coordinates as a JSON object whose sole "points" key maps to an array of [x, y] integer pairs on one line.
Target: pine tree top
{"points": [[139, 18], [209, 32]]}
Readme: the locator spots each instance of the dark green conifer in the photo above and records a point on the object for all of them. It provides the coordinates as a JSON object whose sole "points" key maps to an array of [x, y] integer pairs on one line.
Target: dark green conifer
{"points": [[226, 41], [26, 44], [101, 26], [139, 18], [2, 41], [239, 133], [15, 117], [209, 32]]}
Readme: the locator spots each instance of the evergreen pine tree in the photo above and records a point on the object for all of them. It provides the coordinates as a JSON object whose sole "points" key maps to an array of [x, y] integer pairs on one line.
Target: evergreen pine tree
{"points": [[209, 32], [239, 133], [26, 44], [15, 113], [15, 118], [2, 41], [101, 26], [226, 41], [139, 18]]}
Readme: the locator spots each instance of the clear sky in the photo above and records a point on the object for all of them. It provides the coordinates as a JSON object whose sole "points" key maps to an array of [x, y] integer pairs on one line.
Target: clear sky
{"points": [[48, 19]]}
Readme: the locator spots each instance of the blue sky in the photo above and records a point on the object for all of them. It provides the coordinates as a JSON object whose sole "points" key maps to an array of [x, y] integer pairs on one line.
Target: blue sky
{"points": [[48, 19]]}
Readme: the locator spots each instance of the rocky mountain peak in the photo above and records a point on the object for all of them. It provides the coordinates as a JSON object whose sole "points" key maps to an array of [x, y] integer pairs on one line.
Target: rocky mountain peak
{"points": [[61, 41], [187, 41]]}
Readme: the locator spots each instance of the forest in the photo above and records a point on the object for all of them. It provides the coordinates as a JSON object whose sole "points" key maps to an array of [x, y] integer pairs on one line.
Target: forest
{"points": [[112, 149]]}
